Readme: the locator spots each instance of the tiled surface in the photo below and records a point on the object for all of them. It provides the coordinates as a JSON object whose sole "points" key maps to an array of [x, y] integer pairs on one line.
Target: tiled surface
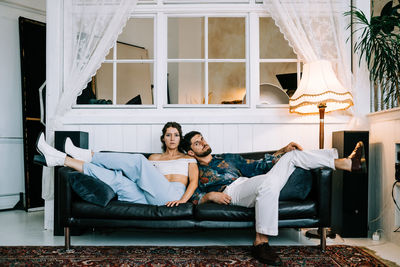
{"points": [[26, 228]]}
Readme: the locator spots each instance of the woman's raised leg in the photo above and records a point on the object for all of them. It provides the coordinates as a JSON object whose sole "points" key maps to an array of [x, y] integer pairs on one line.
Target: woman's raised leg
{"points": [[136, 167], [124, 187]]}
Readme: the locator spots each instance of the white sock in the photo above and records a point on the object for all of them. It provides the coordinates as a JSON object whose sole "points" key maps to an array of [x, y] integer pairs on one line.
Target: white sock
{"points": [[77, 152]]}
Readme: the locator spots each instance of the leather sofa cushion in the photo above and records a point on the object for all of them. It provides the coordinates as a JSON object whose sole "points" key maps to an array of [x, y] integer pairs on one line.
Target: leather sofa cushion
{"points": [[91, 189], [287, 210], [298, 185], [126, 210]]}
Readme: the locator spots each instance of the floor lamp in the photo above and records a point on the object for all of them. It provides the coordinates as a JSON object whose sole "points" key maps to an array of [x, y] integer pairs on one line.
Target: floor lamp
{"points": [[319, 92]]}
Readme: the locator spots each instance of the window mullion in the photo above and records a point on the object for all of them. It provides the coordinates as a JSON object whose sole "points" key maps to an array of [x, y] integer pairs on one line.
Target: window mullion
{"points": [[162, 69], [206, 60], [247, 58], [254, 59], [115, 75]]}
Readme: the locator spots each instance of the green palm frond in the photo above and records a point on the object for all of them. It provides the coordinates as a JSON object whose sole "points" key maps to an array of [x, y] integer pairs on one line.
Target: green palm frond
{"points": [[379, 44]]}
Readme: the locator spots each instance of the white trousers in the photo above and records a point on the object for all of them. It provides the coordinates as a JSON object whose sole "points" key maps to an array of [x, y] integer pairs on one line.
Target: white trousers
{"points": [[262, 191]]}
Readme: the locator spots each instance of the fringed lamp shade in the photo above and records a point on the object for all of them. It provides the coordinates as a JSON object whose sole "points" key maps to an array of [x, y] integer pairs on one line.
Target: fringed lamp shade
{"points": [[319, 86]]}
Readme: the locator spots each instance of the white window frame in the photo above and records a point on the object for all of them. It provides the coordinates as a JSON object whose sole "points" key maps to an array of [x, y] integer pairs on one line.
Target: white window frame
{"points": [[160, 11], [206, 60]]}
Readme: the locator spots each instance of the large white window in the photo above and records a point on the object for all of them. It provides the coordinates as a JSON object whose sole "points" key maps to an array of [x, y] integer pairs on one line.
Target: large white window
{"points": [[179, 55], [206, 60]]}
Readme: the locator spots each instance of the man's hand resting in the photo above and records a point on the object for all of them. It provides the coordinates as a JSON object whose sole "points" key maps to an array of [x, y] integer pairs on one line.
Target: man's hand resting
{"points": [[216, 197], [291, 146]]}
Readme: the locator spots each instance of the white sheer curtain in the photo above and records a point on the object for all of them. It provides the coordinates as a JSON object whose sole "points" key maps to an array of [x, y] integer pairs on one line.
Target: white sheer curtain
{"points": [[91, 28], [316, 29]]}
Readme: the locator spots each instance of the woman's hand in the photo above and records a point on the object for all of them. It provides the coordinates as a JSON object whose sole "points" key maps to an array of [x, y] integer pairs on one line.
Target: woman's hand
{"points": [[174, 203]]}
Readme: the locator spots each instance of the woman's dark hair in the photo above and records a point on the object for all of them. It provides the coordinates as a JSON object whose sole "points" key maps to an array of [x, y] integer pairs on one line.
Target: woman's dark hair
{"points": [[164, 130]]}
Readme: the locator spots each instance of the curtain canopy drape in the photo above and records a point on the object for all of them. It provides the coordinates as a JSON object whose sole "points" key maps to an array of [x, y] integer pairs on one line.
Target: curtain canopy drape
{"points": [[316, 29], [91, 28]]}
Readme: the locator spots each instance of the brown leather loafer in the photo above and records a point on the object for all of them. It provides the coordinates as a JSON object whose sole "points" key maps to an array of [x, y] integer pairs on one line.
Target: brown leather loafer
{"points": [[265, 254], [358, 162]]}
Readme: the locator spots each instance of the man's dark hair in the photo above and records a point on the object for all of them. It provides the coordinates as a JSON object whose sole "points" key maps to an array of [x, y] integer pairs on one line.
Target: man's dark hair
{"points": [[164, 130], [187, 140]]}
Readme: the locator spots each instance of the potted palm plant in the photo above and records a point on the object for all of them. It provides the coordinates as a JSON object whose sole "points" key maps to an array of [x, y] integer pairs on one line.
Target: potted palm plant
{"points": [[379, 42]]}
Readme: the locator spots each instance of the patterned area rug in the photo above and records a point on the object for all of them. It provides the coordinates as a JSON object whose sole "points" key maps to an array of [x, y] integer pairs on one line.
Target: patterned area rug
{"points": [[181, 256]]}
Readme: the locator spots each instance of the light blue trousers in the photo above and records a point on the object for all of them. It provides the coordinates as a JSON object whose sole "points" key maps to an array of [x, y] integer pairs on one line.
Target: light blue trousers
{"points": [[133, 178]]}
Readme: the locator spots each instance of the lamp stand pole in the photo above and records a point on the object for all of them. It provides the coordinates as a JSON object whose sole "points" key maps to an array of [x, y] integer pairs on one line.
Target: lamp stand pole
{"points": [[316, 233], [321, 107]]}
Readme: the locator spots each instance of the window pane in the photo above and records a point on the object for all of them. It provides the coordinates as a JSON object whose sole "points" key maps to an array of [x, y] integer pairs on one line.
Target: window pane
{"points": [[110, 54], [272, 42], [273, 78], [226, 38], [134, 82], [226, 83], [137, 39], [104, 84], [186, 83], [186, 38]]}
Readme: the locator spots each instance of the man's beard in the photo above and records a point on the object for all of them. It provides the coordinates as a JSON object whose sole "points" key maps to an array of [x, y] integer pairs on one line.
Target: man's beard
{"points": [[205, 153]]}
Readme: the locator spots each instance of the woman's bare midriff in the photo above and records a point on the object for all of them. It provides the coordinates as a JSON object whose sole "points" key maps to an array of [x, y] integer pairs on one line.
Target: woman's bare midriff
{"points": [[177, 178]]}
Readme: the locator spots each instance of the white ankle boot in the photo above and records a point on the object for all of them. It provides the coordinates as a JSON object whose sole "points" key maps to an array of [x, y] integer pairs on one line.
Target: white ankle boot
{"points": [[53, 156], [77, 152]]}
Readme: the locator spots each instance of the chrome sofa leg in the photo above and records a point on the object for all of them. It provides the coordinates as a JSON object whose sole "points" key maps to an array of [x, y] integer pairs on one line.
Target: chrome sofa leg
{"points": [[67, 238], [322, 234]]}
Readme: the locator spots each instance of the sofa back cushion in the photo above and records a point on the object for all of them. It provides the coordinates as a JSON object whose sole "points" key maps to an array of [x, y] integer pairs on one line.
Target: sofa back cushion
{"points": [[300, 182], [298, 187], [91, 189]]}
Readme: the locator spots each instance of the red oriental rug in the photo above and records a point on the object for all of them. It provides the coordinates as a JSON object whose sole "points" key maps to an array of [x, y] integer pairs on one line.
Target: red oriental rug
{"points": [[181, 256]]}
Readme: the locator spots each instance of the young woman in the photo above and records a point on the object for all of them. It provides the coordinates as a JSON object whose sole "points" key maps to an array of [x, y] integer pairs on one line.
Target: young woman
{"points": [[169, 178]]}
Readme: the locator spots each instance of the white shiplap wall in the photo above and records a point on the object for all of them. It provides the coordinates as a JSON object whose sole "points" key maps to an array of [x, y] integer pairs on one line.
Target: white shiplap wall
{"points": [[223, 137]]}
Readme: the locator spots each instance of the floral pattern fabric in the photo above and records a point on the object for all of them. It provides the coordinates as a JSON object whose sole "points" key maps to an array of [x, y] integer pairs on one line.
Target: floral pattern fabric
{"points": [[226, 168]]}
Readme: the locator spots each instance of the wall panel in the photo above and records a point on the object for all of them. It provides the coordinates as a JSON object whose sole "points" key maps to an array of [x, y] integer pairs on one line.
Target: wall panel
{"points": [[245, 137], [231, 138], [240, 137], [215, 137], [384, 134], [129, 138], [156, 130], [115, 138], [143, 138]]}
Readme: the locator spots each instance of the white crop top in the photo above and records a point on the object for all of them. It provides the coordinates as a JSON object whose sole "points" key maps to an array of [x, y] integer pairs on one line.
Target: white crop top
{"points": [[175, 166]]}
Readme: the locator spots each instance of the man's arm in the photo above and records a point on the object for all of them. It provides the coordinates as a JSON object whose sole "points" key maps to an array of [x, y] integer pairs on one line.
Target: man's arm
{"points": [[291, 146], [216, 197]]}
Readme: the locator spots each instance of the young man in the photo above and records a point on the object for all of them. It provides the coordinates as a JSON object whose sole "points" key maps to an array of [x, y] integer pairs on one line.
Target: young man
{"points": [[224, 177]]}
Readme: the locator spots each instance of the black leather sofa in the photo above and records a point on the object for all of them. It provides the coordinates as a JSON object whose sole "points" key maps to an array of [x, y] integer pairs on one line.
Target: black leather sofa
{"points": [[73, 212]]}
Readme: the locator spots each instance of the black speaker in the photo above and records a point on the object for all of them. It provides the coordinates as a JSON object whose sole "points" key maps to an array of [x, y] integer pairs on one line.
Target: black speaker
{"points": [[80, 139], [397, 171], [350, 190]]}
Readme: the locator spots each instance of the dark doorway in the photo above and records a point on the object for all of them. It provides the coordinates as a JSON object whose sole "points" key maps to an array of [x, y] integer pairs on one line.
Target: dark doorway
{"points": [[32, 36]]}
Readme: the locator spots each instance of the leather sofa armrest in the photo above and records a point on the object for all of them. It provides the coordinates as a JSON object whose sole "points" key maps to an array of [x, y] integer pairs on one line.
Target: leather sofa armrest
{"points": [[62, 197], [323, 194]]}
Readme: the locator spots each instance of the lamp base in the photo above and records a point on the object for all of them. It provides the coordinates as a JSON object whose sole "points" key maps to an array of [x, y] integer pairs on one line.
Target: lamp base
{"points": [[316, 234]]}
